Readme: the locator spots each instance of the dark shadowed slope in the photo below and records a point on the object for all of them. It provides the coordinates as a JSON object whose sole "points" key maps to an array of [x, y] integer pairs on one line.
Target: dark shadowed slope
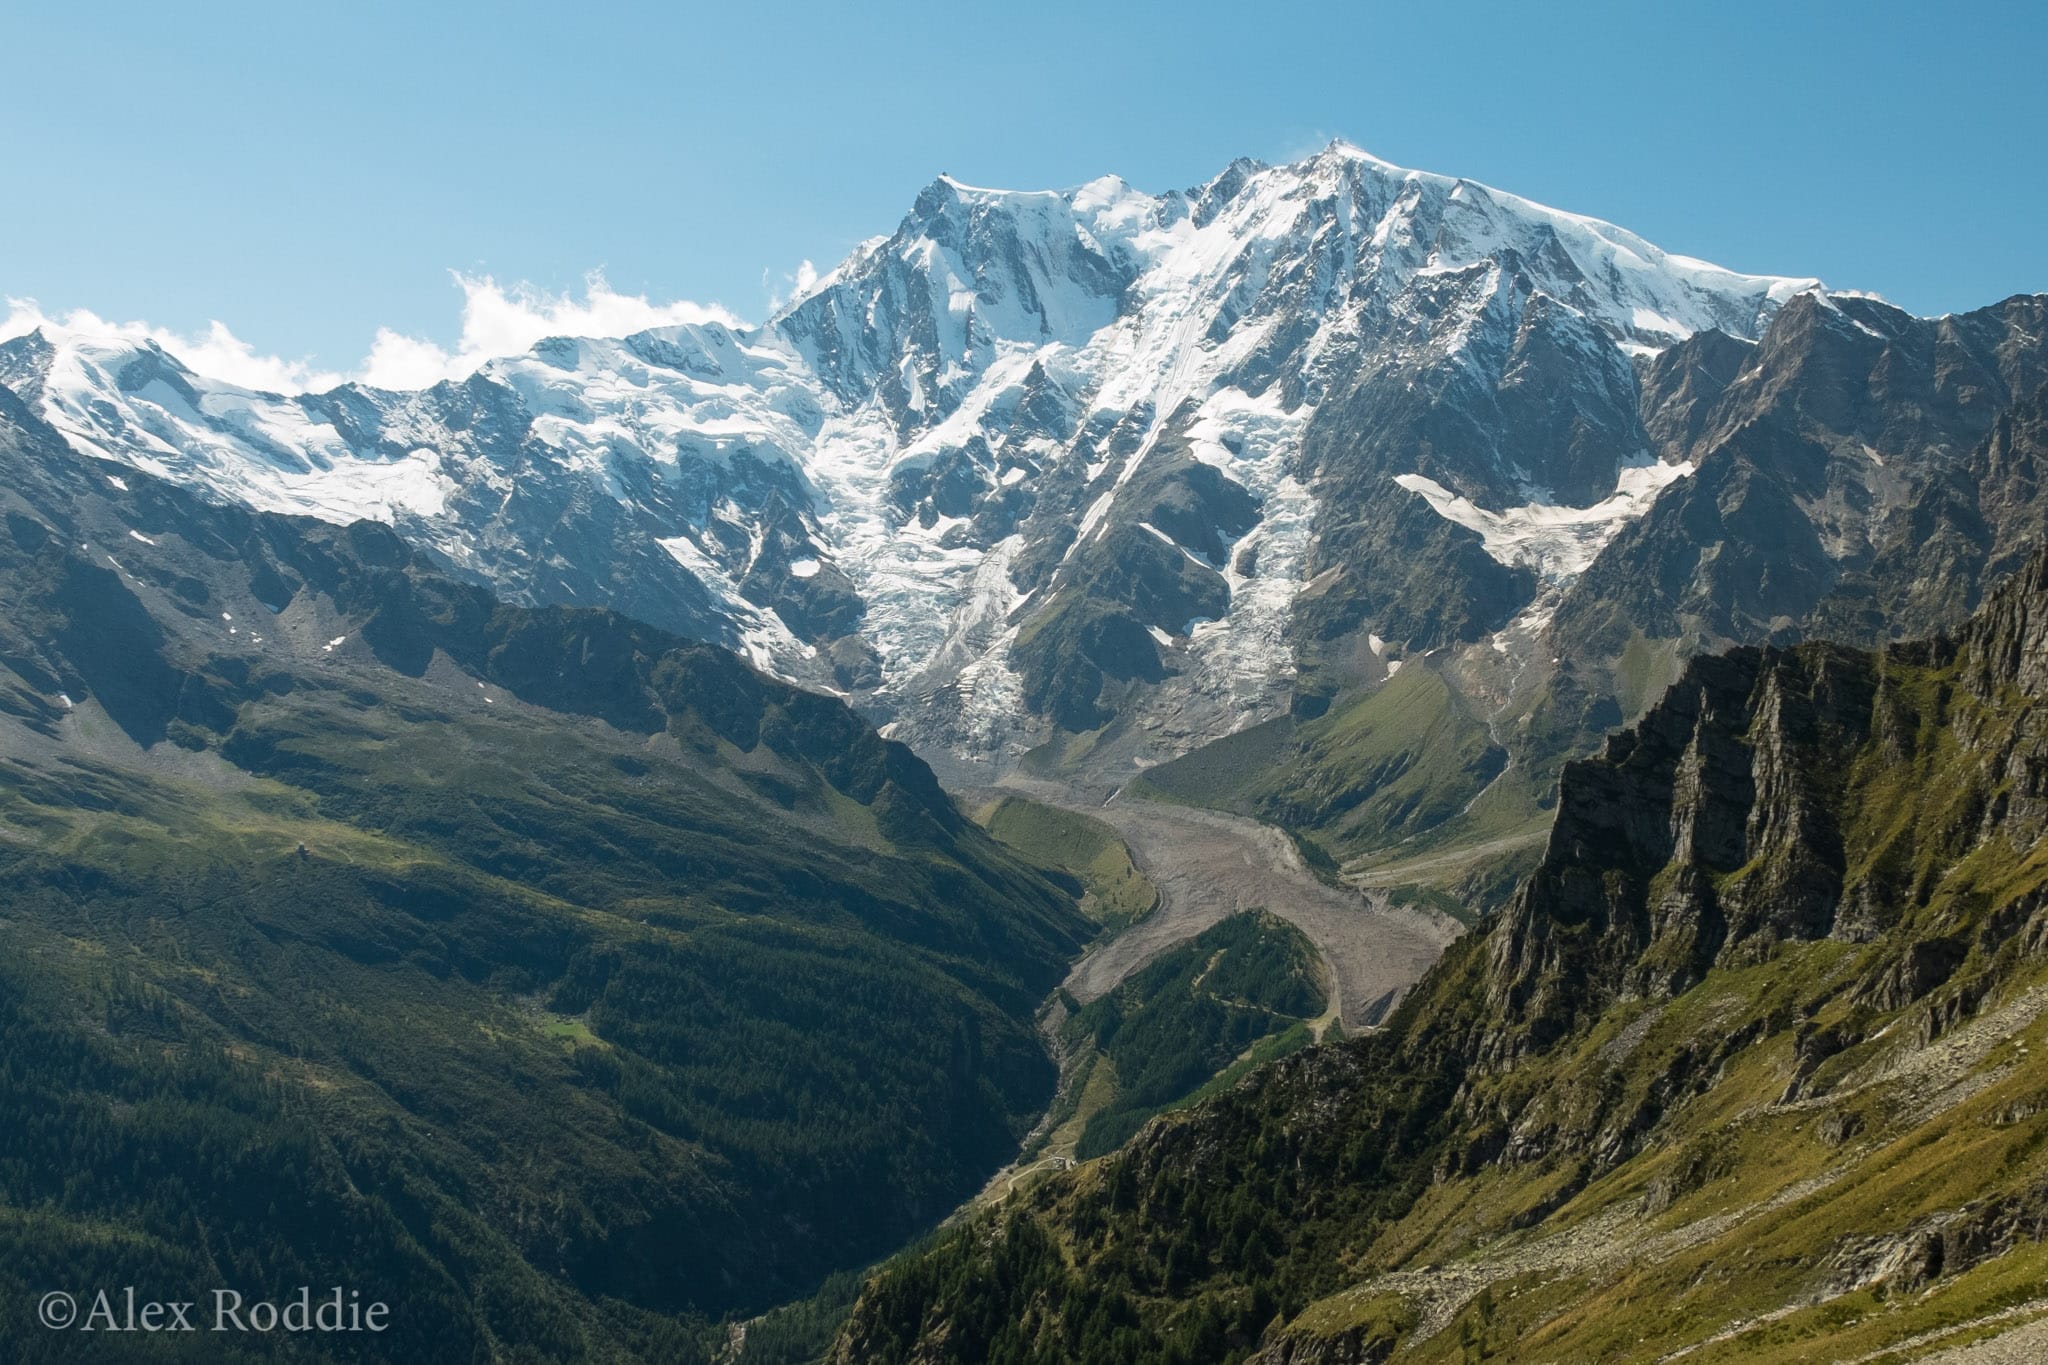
{"points": [[545, 975]]}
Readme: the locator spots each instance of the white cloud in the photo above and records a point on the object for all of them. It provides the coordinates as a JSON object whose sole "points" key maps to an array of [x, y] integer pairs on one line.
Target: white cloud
{"points": [[793, 285], [497, 320], [1307, 145], [397, 361], [216, 352]]}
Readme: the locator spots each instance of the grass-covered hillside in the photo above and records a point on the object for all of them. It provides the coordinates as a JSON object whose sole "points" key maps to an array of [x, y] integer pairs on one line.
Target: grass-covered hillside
{"points": [[1374, 785], [1243, 991], [567, 986], [1114, 892], [1748, 1070]]}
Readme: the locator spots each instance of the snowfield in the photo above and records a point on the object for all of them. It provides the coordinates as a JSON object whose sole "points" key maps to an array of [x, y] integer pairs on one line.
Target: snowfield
{"points": [[1558, 542]]}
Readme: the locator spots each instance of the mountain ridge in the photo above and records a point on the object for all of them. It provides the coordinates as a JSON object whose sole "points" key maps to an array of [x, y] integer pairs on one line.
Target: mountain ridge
{"points": [[1087, 482], [951, 411]]}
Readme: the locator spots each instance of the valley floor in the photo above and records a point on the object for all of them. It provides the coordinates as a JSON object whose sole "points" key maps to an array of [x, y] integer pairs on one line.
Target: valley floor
{"points": [[1209, 866]]}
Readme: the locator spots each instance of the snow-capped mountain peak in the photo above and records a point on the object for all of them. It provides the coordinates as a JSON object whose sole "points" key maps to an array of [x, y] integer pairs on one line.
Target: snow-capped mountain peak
{"points": [[1075, 421]]}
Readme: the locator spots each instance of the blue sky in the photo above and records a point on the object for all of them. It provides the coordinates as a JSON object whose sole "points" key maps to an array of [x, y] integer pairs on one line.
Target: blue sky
{"points": [[309, 175]]}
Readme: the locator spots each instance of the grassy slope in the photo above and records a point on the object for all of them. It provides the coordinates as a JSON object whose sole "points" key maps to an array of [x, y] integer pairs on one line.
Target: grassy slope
{"points": [[1117, 893], [1739, 1226], [1373, 769], [1381, 782], [1193, 1013], [1764, 1158]]}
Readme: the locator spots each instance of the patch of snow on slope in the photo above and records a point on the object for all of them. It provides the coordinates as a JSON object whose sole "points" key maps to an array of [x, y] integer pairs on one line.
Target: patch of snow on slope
{"points": [[1557, 542], [765, 641], [258, 449], [976, 652], [902, 569]]}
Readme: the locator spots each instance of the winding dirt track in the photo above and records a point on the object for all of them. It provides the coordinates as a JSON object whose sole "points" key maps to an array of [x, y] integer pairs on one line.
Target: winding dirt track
{"points": [[1208, 866]]}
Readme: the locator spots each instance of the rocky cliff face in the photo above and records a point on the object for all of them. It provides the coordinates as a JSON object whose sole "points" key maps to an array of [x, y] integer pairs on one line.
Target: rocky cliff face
{"points": [[1701, 837], [1713, 830], [1754, 1044], [1861, 472]]}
